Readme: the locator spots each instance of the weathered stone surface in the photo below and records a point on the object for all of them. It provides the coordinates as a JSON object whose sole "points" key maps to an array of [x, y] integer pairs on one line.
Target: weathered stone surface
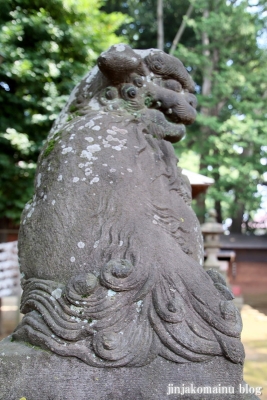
{"points": [[38, 374], [111, 250]]}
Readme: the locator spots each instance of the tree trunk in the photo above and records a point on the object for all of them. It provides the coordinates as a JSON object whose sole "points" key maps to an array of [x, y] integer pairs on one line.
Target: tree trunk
{"points": [[205, 131], [218, 209], [237, 220], [160, 42], [181, 29]]}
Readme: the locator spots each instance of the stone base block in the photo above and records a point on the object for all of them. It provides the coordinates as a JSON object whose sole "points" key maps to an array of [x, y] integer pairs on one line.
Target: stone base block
{"points": [[35, 374]]}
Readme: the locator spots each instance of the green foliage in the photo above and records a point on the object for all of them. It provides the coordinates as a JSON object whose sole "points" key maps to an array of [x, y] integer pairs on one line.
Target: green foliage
{"points": [[141, 32], [47, 45], [230, 131], [223, 48]]}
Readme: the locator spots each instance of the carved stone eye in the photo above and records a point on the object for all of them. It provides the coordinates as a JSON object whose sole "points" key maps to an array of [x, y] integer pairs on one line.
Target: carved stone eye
{"points": [[128, 92], [138, 82], [131, 92], [111, 93], [157, 66]]}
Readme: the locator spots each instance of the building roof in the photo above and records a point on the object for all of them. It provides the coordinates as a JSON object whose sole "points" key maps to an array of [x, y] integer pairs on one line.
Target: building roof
{"points": [[239, 241], [198, 182]]}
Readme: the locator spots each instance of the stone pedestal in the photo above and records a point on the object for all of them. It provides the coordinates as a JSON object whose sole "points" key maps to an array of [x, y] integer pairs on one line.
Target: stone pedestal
{"points": [[36, 374]]}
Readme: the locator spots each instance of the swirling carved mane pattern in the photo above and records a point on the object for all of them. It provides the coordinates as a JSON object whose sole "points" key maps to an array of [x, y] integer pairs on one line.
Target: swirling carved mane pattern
{"points": [[110, 248], [129, 315]]}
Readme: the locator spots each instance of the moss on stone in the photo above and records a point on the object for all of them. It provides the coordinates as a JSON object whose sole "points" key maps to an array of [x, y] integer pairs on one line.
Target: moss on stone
{"points": [[51, 144], [73, 108]]}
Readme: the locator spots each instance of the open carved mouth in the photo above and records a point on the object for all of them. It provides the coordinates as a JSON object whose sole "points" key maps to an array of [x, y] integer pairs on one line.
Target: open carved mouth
{"points": [[163, 125]]}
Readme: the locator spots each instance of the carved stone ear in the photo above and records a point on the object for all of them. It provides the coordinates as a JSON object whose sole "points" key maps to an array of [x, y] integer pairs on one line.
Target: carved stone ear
{"points": [[118, 62]]}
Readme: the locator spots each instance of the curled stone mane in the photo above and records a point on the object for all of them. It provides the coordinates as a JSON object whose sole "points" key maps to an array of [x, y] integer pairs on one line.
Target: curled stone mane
{"points": [[110, 248]]}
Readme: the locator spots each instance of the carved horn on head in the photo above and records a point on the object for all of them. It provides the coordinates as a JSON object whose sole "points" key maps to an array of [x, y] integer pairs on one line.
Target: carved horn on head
{"points": [[120, 61], [169, 67]]}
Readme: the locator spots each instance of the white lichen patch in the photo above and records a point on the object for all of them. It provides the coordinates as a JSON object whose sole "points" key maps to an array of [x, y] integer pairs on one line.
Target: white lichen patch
{"points": [[91, 75], [121, 243], [105, 165], [154, 222], [156, 217], [89, 124], [53, 202], [28, 205], [106, 144], [88, 172], [30, 212], [81, 165], [72, 259], [119, 47], [129, 170], [123, 131], [96, 244], [94, 180], [77, 319], [96, 128], [99, 116], [112, 170], [121, 143], [111, 293], [94, 104], [139, 306], [59, 178], [90, 150], [94, 148], [89, 139], [81, 245], [111, 132], [75, 179], [110, 138], [76, 309], [67, 150], [39, 177], [57, 293], [145, 53]]}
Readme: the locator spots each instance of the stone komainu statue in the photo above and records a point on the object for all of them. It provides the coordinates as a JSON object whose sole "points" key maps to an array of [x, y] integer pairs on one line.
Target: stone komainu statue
{"points": [[109, 246]]}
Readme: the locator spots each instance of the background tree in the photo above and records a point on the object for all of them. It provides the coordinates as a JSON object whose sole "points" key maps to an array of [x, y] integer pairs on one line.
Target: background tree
{"points": [[46, 46], [230, 66], [142, 31], [221, 44]]}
